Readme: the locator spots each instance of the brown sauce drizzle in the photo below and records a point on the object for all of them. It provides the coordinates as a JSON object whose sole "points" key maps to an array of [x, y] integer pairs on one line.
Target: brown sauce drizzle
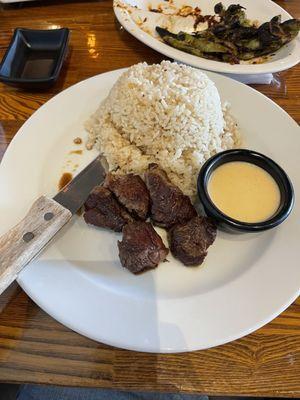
{"points": [[80, 211], [64, 180], [77, 140], [76, 152]]}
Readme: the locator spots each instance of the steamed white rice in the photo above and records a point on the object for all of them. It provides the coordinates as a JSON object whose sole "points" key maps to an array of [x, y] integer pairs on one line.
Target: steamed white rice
{"points": [[165, 113]]}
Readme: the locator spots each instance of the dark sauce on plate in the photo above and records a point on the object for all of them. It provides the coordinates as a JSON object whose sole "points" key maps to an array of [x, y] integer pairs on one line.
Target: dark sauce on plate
{"points": [[64, 180], [77, 140], [80, 211]]}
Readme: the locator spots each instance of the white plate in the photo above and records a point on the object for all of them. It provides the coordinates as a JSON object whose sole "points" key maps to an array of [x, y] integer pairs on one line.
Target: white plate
{"points": [[262, 10], [246, 280]]}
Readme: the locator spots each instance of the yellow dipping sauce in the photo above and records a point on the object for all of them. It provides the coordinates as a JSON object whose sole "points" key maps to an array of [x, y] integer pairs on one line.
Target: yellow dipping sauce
{"points": [[244, 191]]}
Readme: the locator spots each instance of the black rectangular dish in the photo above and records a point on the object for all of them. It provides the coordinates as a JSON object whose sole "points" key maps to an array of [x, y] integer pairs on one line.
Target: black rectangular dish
{"points": [[34, 57]]}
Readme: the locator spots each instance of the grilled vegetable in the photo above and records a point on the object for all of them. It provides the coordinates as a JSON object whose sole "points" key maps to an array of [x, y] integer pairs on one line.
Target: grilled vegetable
{"points": [[234, 38]]}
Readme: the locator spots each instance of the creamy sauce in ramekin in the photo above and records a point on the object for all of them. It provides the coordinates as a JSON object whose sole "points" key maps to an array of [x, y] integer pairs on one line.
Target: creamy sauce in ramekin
{"points": [[244, 192]]}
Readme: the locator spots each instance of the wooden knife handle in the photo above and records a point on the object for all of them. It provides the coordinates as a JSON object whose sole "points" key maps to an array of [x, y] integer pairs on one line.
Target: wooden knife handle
{"points": [[23, 242]]}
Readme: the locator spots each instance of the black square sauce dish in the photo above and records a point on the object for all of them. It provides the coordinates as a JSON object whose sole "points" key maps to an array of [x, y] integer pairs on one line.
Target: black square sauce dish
{"points": [[34, 57]]}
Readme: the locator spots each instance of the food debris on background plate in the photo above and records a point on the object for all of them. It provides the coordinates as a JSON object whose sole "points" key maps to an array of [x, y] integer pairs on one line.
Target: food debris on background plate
{"points": [[226, 36], [186, 18], [234, 37]]}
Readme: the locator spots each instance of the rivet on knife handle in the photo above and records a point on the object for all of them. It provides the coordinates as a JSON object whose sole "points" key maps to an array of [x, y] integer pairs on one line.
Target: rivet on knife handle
{"points": [[23, 242]]}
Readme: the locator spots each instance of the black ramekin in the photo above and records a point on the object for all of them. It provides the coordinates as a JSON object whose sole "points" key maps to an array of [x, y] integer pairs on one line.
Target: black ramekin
{"points": [[281, 178]]}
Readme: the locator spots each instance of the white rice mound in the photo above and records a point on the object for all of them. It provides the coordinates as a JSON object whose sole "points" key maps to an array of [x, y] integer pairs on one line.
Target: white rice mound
{"points": [[166, 113]]}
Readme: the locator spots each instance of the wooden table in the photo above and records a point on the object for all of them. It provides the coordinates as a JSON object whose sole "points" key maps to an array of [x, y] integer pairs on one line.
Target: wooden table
{"points": [[34, 347]]}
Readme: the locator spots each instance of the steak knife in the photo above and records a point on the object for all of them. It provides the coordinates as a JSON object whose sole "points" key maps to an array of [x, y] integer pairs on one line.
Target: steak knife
{"points": [[45, 218]]}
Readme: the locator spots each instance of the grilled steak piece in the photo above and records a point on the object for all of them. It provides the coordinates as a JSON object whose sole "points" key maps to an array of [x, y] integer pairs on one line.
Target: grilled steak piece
{"points": [[169, 205], [189, 241], [141, 248], [131, 192], [103, 210]]}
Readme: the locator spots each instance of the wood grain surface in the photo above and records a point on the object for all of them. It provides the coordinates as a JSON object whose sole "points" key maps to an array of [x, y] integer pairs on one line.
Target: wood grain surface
{"points": [[34, 347]]}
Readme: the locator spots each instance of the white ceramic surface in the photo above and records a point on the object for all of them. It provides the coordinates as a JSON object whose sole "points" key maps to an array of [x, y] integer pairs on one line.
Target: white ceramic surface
{"points": [[246, 280], [261, 10]]}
